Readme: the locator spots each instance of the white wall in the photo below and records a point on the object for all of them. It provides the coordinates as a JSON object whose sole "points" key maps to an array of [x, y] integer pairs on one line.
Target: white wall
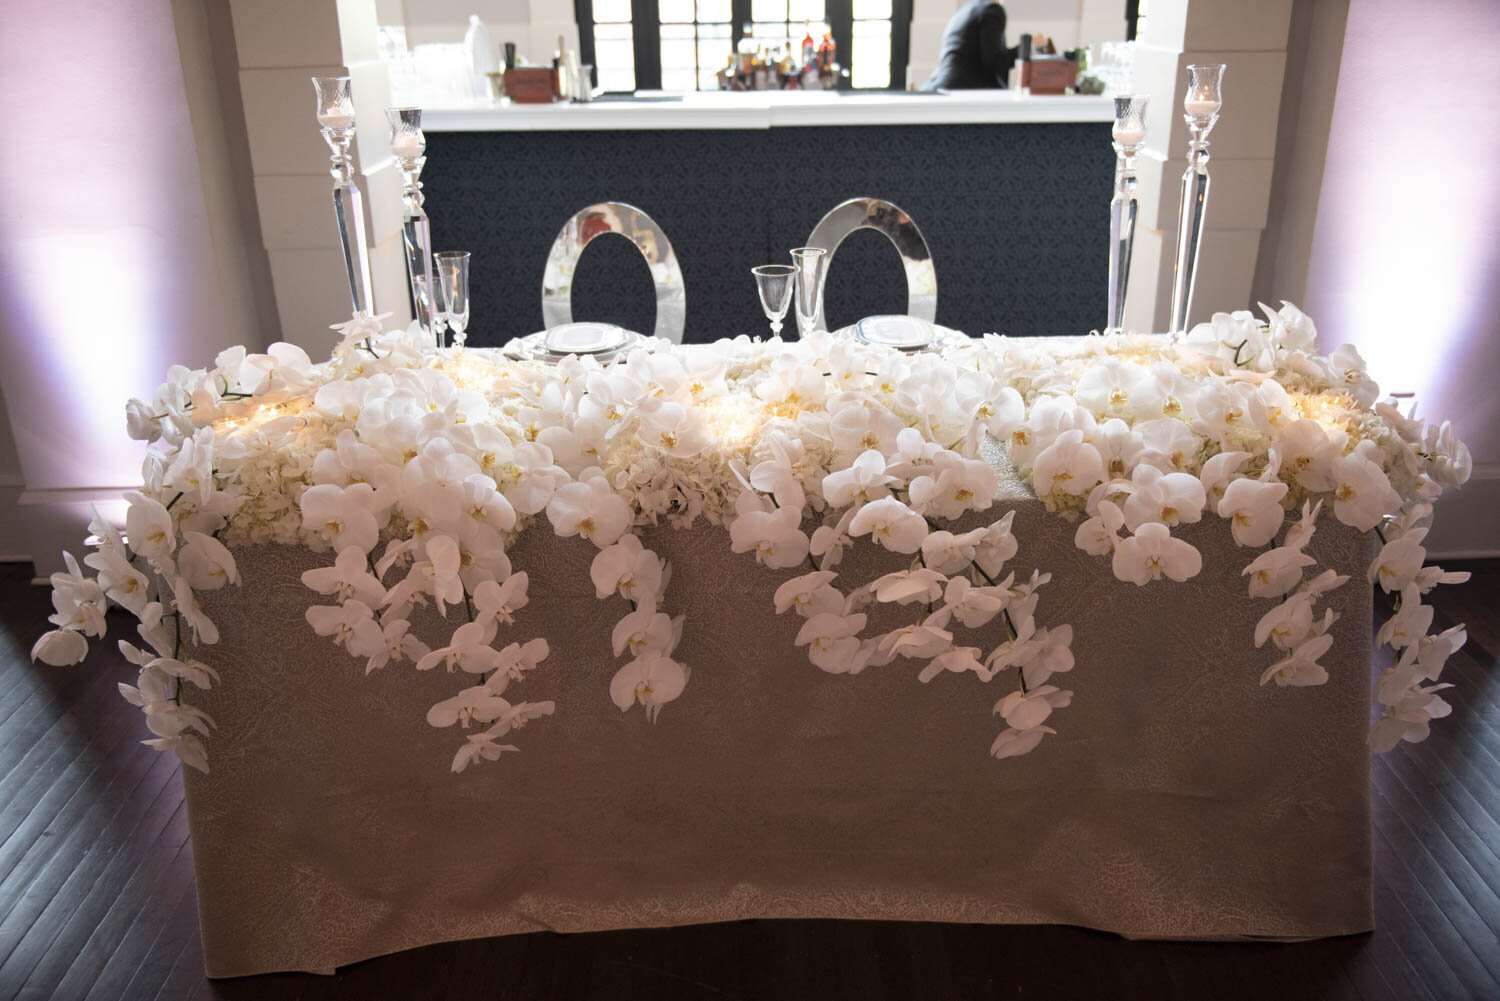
{"points": [[1405, 258], [110, 245]]}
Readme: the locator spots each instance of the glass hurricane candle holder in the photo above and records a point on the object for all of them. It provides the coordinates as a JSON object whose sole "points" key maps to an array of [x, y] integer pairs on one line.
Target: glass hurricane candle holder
{"points": [[335, 113], [1129, 133], [453, 277], [1201, 111], [409, 145], [812, 267]]}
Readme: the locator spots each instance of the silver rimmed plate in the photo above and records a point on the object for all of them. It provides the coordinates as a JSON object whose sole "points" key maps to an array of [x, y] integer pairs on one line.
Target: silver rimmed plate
{"points": [[904, 333], [585, 338], [603, 342]]}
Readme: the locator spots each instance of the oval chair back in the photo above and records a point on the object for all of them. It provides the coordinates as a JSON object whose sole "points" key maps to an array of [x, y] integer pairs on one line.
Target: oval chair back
{"points": [[892, 221], [641, 230]]}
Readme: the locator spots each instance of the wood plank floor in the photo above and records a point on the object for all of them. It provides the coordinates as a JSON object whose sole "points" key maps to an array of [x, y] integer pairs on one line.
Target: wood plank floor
{"points": [[96, 883]]}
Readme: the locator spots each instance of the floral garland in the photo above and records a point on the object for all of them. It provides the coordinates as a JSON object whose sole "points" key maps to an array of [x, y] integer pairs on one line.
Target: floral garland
{"points": [[440, 459]]}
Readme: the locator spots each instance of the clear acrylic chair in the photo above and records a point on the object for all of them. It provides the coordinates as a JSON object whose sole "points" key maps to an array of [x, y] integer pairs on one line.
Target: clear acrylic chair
{"points": [[641, 230], [892, 221]]}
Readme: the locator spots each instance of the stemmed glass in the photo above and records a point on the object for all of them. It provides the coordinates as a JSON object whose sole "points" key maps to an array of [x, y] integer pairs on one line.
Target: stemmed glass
{"points": [[775, 283], [432, 303], [812, 265], [453, 273]]}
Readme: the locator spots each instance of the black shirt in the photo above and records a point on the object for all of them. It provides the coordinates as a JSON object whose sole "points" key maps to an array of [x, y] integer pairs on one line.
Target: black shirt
{"points": [[974, 50]]}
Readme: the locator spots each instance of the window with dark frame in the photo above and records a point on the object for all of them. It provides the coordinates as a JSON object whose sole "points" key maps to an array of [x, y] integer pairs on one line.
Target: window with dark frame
{"points": [[682, 44]]}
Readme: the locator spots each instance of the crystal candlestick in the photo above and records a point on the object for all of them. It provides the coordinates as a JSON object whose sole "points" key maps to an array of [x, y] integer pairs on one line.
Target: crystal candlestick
{"points": [[336, 116], [408, 144], [1129, 133], [1201, 111]]}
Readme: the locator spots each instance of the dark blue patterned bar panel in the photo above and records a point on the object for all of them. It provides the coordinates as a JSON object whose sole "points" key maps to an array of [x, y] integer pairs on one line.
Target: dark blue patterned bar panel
{"points": [[1017, 217]]}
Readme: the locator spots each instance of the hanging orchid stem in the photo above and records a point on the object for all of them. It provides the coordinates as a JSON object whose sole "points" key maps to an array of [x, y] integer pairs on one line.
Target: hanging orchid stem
{"points": [[174, 500]]}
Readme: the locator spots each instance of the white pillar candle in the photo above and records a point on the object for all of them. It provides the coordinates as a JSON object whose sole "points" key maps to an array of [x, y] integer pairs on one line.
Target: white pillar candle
{"points": [[1128, 136], [408, 144], [335, 118]]}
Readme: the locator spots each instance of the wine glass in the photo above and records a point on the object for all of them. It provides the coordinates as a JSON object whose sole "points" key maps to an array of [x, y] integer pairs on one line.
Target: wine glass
{"points": [[811, 266], [775, 283], [453, 272]]}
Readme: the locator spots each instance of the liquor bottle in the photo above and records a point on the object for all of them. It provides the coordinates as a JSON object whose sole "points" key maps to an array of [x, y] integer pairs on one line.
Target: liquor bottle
{"points": [[809, 47]]}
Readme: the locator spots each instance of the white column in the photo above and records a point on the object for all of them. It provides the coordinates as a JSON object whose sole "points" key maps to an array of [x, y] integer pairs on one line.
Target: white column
{"points": [[281, 45], [1251, 40]]}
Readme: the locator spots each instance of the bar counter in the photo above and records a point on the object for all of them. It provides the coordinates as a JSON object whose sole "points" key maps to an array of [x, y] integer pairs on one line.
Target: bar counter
{"points": [[1011, 193]]}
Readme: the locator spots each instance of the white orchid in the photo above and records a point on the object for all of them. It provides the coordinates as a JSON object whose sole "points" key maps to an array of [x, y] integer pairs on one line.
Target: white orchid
{"points": [[646, 630], [352, 626], [1030, 709], [832, 641], [957, 660], [148, 528], [775, 537], [650, 680], [864, 480], [206, 562], [498, 601], [628, 567], [1100, 534], [397, 643], [1069, 465], [1300, 668], [1013, 743], [590, 508], [810, 594], [1151, 553], [1362, 495], [1254, 511], [342, 516], [1276, 571], [891, 525], [349, 577], [906, 586], [1170, 498]]}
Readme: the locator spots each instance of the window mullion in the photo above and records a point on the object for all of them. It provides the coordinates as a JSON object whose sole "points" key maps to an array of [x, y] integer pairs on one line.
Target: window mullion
{"points": [[647, 37], [841, 23]]}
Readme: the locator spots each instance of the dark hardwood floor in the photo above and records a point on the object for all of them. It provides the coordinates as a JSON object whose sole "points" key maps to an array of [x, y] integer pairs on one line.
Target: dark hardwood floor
{"points": [[96, 883]]}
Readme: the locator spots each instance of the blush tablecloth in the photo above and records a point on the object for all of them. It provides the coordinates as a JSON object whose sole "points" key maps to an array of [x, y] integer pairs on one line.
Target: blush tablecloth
{"points": [[1179, 799]]}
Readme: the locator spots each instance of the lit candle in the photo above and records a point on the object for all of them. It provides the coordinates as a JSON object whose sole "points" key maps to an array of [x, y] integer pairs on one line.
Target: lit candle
{"points": [[335, 118], [1202, 104], [1128, 135], [408, 145]]}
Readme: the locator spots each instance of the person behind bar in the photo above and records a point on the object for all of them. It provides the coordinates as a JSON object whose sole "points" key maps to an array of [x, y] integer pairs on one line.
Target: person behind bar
{"points": [[974, 50]]}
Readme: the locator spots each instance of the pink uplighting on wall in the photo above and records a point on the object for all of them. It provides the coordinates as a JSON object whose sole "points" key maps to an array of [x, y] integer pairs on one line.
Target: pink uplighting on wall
{"points": [[1406, 259]]}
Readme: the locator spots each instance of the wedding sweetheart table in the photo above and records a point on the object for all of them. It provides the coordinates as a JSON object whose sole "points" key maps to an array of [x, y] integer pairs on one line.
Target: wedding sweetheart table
{"points": [[1181, 799]]}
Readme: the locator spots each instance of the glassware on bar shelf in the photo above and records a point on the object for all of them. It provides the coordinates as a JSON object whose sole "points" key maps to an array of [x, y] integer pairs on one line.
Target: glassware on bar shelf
{"points": [[1129, 133], [453, 272], [775, 283], [1201, 107], [812, 267]]}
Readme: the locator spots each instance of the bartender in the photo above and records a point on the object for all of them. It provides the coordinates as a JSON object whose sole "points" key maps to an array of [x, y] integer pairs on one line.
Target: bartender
{"points": [[974, 50]]}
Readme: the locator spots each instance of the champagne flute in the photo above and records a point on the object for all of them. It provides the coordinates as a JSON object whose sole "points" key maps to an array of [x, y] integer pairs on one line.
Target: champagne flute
{"points": [[775, 283], [812, 265], [453, 273]]}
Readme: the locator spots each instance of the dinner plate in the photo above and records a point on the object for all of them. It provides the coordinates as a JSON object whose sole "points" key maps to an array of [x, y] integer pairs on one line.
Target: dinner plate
{"points": [[585, 338], [904, 333]]}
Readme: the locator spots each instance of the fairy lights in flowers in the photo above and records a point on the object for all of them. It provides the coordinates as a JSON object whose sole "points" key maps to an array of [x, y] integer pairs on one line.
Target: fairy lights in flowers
{"points": [[417, 470]]}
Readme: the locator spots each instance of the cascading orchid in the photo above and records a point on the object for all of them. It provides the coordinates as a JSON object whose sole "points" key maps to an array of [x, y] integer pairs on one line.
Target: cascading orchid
{"points": [[805, 452]]}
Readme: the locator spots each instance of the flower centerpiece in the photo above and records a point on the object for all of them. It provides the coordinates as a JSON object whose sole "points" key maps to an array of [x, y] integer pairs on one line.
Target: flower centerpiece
{"points": [[416, 470]]}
